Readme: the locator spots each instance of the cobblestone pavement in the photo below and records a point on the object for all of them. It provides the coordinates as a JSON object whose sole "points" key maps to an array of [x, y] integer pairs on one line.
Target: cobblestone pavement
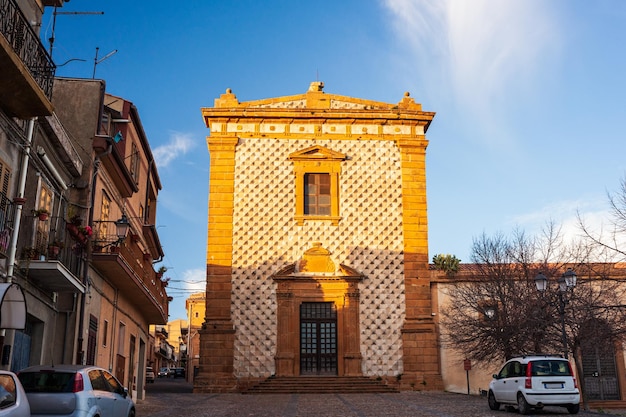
{"points": [[413, 404]]}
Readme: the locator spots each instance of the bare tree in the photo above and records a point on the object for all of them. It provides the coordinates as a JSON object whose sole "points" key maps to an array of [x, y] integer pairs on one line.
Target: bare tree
{"points": [[491, 312], [496, 312], [613, 238]]}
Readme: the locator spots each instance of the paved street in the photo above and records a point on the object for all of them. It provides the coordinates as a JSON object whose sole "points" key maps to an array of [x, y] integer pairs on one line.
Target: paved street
{"points": [[173, 398]]}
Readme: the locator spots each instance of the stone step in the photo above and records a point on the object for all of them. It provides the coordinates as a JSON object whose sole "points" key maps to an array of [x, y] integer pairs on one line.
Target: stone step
{"points": [[320, 385]]}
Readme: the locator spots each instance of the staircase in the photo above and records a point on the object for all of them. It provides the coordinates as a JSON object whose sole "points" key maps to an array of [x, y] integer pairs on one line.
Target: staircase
{"points": [[321, 385]]}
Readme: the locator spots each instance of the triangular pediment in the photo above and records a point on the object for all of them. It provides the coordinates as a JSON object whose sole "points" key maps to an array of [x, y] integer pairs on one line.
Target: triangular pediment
{"points": [[342, 272], [316, 262], [314, 98], [317, 152]]}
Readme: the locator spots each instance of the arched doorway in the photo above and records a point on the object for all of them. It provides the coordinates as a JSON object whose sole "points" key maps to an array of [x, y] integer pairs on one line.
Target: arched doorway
{"points": [[600, 377]]}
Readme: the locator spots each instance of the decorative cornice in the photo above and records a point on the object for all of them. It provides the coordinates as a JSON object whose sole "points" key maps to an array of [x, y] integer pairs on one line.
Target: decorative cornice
{"points": [[317, 114]]}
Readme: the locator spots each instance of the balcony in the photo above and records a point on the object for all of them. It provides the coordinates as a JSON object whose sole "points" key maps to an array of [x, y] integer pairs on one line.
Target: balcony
{"points": [[26, 67], [55, 262], [115, 165], [161, 332], [130, 270]]}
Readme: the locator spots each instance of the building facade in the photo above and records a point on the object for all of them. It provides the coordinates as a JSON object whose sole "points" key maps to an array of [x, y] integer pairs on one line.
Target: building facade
{"points": [[317, 255], [124, 294], [196, 307], [599, 365], [74, 162]]}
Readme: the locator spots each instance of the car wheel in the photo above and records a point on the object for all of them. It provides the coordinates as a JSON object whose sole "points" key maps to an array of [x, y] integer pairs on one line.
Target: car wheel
{"points": [[493, 404], [522, 404], [131, 413], [573, 409]]}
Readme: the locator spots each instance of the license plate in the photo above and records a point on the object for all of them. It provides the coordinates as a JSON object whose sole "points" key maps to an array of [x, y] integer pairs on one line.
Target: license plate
{"points": [[553, 385]]}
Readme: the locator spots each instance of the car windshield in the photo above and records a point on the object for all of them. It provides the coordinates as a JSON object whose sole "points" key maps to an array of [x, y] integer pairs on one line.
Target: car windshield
{"points": [[47, 381], [550, 368]]}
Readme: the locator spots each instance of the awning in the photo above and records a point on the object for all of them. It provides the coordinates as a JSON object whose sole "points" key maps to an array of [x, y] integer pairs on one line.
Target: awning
{"points": [[12, 307]]}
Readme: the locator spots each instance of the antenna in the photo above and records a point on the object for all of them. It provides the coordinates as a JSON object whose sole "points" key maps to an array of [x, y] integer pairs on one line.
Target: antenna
{"points": [[96, 61], [54, 24]]}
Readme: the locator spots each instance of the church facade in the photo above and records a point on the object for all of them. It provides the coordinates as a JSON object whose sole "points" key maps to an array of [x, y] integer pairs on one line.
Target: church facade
{"points": [[317, 253]]}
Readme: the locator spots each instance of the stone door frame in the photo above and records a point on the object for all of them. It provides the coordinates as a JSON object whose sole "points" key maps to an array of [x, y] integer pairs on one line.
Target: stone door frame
{"points": [[293, 290]]}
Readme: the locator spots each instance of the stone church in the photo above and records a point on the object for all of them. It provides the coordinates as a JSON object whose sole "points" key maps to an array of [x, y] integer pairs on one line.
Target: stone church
{"points": [[317, 253]]}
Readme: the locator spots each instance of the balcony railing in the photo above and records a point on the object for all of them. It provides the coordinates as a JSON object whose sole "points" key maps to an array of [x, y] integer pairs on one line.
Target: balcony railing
{"points": [[26, 44], [6, 224]]}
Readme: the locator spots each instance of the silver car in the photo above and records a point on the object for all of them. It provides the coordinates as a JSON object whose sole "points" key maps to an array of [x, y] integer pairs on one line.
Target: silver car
{"points": [[13, 401], [75, 391]]}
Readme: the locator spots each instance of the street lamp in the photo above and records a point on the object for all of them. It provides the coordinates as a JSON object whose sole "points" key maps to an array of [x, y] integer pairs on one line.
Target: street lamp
{"points": [[121, 228], [566, 282]]}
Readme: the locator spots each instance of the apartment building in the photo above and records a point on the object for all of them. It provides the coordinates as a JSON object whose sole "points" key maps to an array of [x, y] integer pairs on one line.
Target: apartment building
{"points": [[78, 194]]}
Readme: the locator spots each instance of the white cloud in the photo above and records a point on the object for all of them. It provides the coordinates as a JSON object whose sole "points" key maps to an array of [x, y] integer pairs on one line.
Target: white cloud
{"points": [[481, 54], [593, 211], [192, 281], [179, 144]]}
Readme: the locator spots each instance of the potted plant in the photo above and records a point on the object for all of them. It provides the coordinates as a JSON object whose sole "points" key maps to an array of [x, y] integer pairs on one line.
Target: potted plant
{"points": [[29, 253], [54, 248], [84, 233], [162, 270], [42, 213]]}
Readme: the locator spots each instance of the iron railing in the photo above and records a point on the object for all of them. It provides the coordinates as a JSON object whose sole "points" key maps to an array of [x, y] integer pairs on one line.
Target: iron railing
{"points": [[27, 45], [6, 222], [57, 244]]}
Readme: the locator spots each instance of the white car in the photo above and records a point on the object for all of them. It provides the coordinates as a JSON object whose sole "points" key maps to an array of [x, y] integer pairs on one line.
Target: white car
{"points": [[75, 391], [149, 375], [13, 401], [531, 382]]}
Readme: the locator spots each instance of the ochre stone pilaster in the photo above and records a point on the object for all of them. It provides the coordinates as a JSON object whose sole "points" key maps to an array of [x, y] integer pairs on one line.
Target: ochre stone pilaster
{"points": [[217, 336], [286, 323], [352, 357], [419, 333]]}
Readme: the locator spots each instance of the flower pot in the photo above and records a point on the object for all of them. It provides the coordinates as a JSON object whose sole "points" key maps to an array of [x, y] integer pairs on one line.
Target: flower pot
{"points": [[53, 251], [72, 229], [81, 238], [43, 216]]}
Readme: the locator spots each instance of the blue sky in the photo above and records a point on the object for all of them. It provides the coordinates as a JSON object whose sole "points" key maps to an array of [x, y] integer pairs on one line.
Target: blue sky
{"points": [[529, 95]]}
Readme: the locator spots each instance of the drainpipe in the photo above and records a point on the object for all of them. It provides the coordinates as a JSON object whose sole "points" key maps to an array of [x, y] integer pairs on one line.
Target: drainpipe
{"points": [[42, 154], [20, 193], [113, 333], [80, 353], [17, 219]]}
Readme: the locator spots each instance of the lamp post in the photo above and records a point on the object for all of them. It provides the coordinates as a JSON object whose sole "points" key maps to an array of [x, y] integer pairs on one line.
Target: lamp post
{"points": [[566, 282]]}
